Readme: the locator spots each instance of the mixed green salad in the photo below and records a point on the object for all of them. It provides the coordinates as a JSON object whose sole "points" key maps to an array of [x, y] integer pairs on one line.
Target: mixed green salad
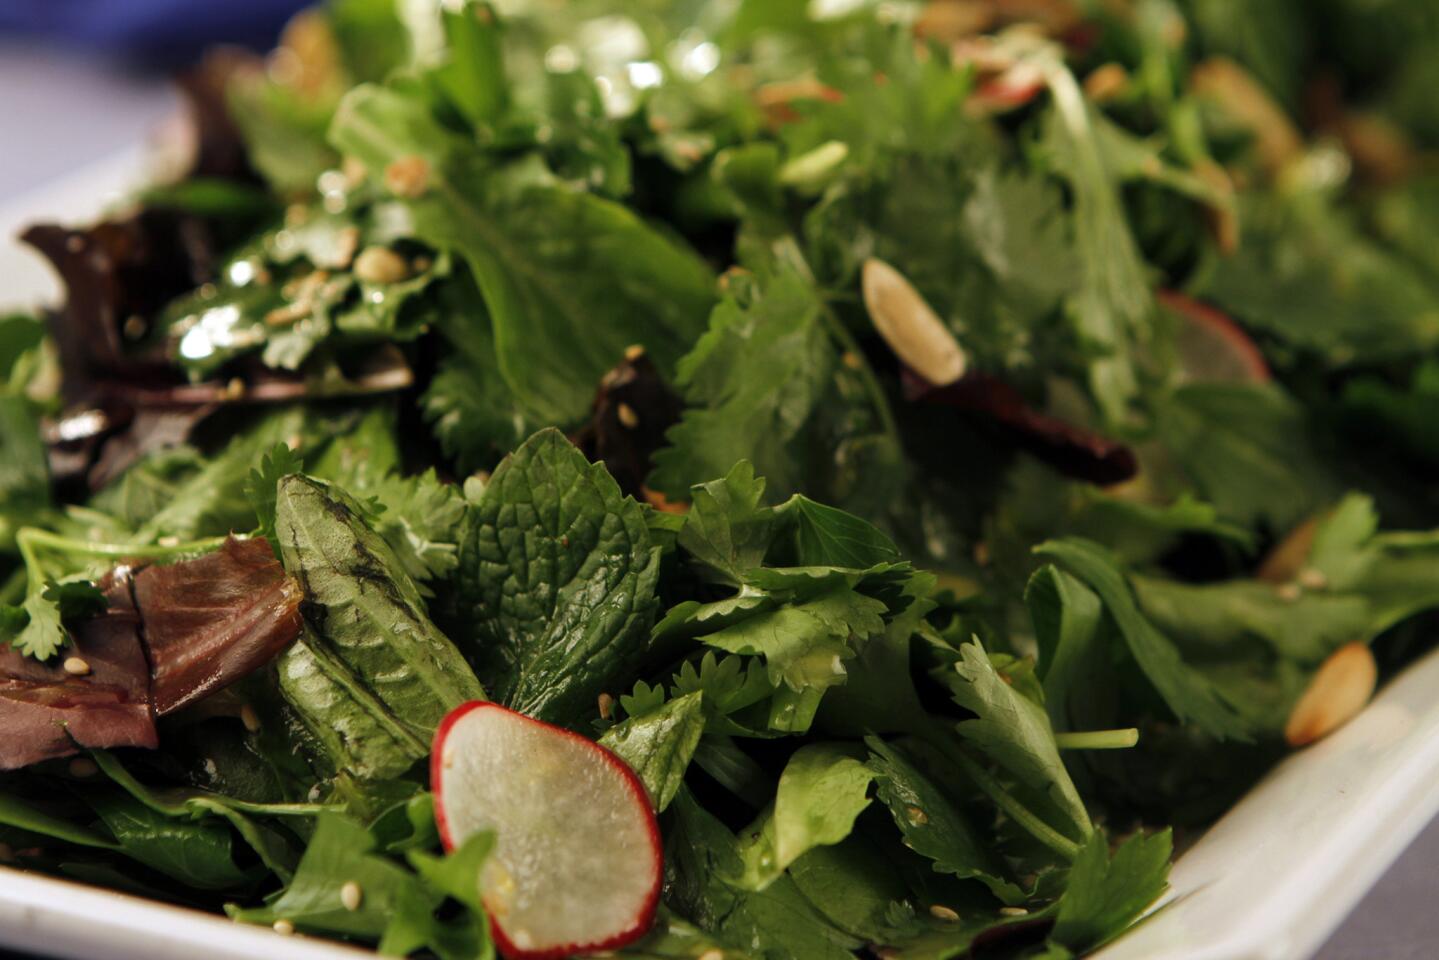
{"points": [[945, 451]]}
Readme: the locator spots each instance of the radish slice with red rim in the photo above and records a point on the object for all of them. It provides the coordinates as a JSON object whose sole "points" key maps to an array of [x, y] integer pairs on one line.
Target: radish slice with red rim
{"points": [[577, 863]]}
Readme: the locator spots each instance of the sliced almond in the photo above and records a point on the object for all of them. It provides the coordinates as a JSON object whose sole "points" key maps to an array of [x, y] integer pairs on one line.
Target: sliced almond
{"points": [[1339, 690], [910, 326]]}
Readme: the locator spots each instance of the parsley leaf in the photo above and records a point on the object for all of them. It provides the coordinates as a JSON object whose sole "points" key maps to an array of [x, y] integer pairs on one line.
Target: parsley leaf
{"points": [[260, 486], [1106, 894]]}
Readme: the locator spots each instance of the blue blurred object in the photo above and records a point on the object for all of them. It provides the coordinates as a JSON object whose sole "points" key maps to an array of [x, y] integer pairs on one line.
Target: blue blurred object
{"points": [[152, 32]]}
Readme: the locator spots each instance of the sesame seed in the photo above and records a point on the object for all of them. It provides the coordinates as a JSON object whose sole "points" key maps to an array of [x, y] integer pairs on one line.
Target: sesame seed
{"points": [[1013, 912], [314, 795], [852, 360], [283, 927], [1311, 578], [381, 265], [168, 541], [628, 418], [351, 896], [83, 767], [135, 326], [74, 243], [250, 718], [607, 705], [632, 353], [940, 912], [448, 758], [1288, 592], [234, 390], [916, 816], [712, 955], [76, 667]]}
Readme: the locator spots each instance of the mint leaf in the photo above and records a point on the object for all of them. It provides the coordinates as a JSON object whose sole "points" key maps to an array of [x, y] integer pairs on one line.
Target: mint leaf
{"points": [[562, 576], [260, 485], [1014, 732], [1187, 693], [373, 705], [1106, 894], [932, 823], [660, 744], [822, 791]]}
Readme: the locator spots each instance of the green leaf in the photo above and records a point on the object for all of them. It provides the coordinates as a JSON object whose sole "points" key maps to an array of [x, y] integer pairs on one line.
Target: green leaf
{"points": [[569, 279], [751, 384], [826, 537], [340, 852], [43, 633], [457, 876], [660, 744], [1188, 694], [932, 823], [374, 676], [1014, 732], [24, 470], [198, 854], [562, 575], [822, 791], [17, 813], [260, 486], [1105, 895], [1066, 617], [727, 531], [420, 522]]}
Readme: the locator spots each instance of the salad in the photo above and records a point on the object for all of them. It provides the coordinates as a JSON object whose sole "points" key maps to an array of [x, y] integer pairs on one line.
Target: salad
{"points": [[723, 478]]}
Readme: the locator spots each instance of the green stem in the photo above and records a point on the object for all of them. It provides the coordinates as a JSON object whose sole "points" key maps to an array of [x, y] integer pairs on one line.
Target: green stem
{"points": [[1098, 739], [30, 537], [1016, 811], [13, 590], [850, 347]]}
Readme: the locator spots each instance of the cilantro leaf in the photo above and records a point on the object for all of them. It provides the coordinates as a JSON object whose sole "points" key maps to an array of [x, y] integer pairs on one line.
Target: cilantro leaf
{"points": [[563, 576], [1106, 894], [421, 523], [38, 623], [1014, 732], [660, 744], [727, 531], [260, 485]]}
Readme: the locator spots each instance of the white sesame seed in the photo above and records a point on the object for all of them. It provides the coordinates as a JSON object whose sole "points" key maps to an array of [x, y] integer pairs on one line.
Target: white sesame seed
{"points": [[628, 418], [408, 177], [168, 541], [1311, 578], [607, 705], [351, 896], [1288, 592], [314, 794], [283, 927], [1013, 912], [250, 718], [712, 955], [83, 767], [940, 912], [447, 759], [76, 667]]}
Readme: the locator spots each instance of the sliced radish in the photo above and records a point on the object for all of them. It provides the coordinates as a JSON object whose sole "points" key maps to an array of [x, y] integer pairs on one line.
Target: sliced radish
{"points": [[577, 861], [1213, 348]]}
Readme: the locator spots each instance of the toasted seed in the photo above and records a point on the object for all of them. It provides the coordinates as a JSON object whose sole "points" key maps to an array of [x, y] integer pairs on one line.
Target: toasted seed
{"points": [[7, 853], [712, 955], [283, 927], [1339, 690], [408, 177], [250, 718], [1290, 554], [83, 767], [632, 353], [607, 706], [909, 325], [1106, 82], [76, 667], [627, 416], [381, 265], [1013, 912], [1289, 592], [351, 896], [1311, 578], [916, 816], [941, 912]]}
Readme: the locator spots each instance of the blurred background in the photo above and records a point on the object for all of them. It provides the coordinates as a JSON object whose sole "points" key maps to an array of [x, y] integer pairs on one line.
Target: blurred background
{"points": [[84, 80]]}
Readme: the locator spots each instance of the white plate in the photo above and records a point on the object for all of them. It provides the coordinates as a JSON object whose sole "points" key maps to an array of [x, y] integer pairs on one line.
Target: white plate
{"points": [[1269, 881]]}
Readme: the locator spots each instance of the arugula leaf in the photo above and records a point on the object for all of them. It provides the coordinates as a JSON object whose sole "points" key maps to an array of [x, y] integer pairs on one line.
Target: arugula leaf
{"points": [[659, 744], [1014, 732], [933, 824], [821, 793], [569, 279], [198, 854], [1192, 698], [374, 706], [1106, 894], [260, 486], [562, 574]]}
